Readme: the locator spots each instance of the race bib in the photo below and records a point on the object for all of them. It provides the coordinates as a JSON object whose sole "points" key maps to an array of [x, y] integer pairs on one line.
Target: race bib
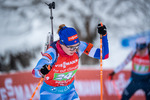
{"points": [[141, 69], [64, 76]]}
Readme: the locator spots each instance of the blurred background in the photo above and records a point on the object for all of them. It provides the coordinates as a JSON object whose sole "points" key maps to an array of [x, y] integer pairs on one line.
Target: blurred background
{"points": [[24, 25]]}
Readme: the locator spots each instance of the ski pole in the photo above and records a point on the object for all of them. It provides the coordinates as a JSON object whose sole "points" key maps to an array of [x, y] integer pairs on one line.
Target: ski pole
{"points": [[115, 87], [101, 69], [36, 88], [117, 91], [42, 79]]}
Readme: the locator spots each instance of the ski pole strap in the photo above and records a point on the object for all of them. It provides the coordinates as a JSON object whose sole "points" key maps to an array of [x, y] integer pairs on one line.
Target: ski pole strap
{"points": [[88, 48], [49, 67], [101, 24]]}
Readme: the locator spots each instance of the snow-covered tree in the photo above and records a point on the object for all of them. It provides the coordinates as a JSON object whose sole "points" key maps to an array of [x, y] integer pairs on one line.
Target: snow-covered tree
{"points": [[25, 24]]}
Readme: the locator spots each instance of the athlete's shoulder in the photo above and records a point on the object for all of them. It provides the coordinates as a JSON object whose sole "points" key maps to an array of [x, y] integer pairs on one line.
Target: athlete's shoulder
{"points": [[52, 48], [51, 52]]}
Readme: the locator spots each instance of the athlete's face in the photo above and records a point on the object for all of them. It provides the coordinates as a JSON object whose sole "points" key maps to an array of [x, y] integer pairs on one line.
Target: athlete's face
{"points": [[70, 50], [142, 51]]}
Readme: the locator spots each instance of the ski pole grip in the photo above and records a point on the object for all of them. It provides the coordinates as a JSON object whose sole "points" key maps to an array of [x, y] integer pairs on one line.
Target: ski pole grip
{"points": [[101, 34], [49, 67], [101, 24]]}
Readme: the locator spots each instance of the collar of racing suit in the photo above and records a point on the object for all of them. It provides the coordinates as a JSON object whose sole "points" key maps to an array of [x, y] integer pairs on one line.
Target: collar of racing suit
{"points": [[60, 50]]}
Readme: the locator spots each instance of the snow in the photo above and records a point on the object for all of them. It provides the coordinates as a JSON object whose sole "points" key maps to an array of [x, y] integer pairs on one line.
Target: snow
{"points": [[27, 27]]}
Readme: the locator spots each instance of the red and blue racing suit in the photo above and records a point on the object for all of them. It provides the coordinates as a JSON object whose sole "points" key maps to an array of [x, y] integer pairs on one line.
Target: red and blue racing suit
{"points": [[140, 74], [59, 82]]}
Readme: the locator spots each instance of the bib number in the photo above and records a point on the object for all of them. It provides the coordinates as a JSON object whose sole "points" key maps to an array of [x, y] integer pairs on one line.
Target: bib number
{"points": [[141, 69], [64, 76]]}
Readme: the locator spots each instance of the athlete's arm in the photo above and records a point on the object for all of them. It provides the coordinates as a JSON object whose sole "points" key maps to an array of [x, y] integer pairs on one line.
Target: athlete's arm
{"points": [[125, 62], [93, 52], [47, 59]]}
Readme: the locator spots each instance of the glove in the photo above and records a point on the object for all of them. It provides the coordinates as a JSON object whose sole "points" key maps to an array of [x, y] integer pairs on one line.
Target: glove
{"points": [[44, 70], [111, 75], [102, 29]]}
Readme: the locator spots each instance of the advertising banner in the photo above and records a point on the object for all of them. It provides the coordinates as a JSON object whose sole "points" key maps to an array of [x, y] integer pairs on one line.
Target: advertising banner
{"points": [[21, 85]]}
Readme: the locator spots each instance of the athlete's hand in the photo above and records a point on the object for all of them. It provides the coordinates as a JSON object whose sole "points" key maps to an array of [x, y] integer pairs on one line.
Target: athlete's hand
{"points": [[102, 29], [45, 70], [111, 75]]}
